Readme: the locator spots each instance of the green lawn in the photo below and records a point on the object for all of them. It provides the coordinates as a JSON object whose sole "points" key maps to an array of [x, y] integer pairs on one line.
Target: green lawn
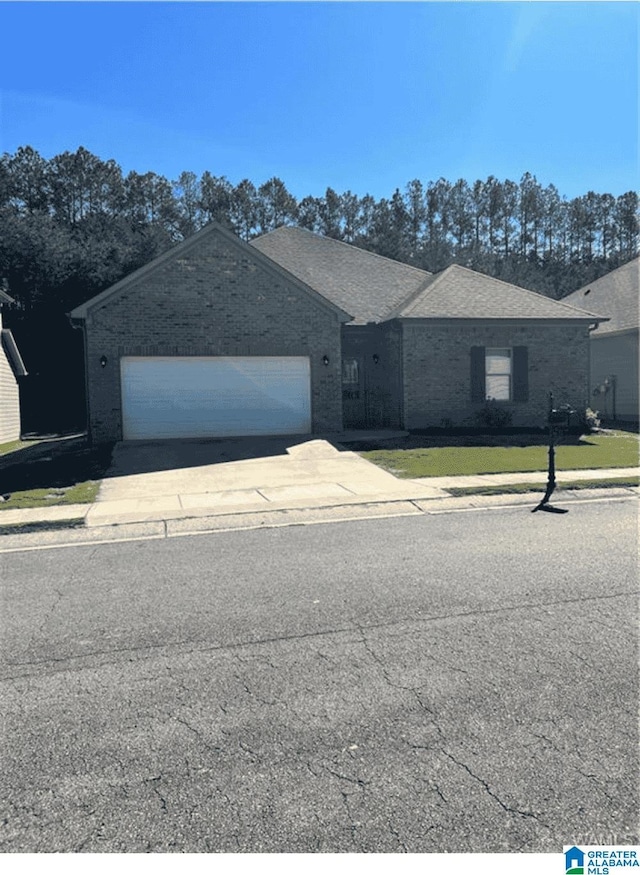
{"points": [[71, 474], [79, 493], [603, 450], [517, 488], [13, 446]]}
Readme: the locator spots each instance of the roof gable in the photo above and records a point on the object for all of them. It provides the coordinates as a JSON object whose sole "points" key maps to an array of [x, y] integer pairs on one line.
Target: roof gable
{"points": [[616, 294], [182, 249], [367, 285], [461, 293]]}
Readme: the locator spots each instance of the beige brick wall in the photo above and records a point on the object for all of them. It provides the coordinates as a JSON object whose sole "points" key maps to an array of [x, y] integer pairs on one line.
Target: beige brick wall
{"points": [[216, 299], [436, 360]]}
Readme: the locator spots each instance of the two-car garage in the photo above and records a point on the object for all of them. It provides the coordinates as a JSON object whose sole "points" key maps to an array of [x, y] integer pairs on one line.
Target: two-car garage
{"points": [[198, 396], [212, 339]]}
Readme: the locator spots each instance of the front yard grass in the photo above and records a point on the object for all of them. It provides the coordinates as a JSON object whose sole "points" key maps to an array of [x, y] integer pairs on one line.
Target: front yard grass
{"points": [[79, 493], [517, 488], [70, 475], [14, 446], [426, 456]]}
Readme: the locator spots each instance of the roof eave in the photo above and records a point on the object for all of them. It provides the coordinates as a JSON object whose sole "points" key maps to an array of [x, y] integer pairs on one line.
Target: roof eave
{"points": [[542, 320], [12, 352]]}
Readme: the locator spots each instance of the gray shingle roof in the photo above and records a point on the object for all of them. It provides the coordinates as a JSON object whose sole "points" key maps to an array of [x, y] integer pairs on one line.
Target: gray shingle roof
{"points": [[616, 295], [364, 284], [374, 289], [460, 293]]}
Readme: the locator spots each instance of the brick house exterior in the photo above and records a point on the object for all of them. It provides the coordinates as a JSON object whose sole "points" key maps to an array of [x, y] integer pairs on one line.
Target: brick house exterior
{"points": [[420, 339], [211, 296], [387, 345]]}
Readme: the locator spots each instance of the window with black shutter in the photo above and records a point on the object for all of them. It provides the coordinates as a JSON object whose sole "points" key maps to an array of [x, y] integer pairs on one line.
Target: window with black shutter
{"points": [[499, 374], [477, 374]]}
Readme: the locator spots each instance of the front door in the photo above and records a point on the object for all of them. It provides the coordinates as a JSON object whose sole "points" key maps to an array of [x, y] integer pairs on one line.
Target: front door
{"points": [[354, 413]]}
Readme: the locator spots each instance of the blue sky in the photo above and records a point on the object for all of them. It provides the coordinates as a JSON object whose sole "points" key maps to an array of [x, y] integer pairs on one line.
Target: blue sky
{"points": [[357, 96]]}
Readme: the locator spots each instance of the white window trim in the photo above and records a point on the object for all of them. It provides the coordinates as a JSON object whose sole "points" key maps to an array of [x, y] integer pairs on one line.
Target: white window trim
{"points": [[509, 374]]}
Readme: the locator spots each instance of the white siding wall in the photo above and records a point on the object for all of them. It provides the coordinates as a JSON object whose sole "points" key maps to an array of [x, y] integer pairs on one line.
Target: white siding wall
{"points": [[616, 355], [9, 402]]}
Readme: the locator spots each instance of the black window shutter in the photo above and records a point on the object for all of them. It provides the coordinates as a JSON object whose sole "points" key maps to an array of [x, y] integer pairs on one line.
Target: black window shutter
{"points": [[478, 390], [520, 373]]}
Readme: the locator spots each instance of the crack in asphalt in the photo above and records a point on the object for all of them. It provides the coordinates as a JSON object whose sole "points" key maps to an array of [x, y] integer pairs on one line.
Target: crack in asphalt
{"points": [[490, 792], [147, 651], [394, 832], [360, 782], [593, 779], [198, 734], [163, 801]]}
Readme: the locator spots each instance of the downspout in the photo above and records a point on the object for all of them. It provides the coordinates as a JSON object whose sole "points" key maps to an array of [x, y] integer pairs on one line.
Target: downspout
{"points": [[80, 323], [589, 330]]}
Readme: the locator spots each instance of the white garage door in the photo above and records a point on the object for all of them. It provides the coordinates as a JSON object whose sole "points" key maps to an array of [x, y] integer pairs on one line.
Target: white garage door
{"points": [[170, 397]]}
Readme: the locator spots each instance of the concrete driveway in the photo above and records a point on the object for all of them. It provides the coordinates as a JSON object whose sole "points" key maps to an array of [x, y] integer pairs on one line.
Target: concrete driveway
{"points": [[174, 479]]}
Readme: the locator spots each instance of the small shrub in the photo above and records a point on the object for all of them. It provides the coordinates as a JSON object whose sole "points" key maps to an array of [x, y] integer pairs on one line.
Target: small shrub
{"points": [[589, 420], [492, 416]]}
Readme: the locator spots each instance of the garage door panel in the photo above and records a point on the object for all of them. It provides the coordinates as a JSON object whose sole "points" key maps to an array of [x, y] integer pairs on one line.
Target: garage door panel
{"points": [[215, 397]]}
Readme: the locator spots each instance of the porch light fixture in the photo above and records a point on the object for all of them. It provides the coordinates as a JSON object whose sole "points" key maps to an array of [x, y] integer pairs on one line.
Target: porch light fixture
{"points": [[325, 360], [103, 361], [376, 358]]}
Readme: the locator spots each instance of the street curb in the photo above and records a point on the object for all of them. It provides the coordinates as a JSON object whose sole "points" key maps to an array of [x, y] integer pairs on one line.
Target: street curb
{"points": [[162, 529]]}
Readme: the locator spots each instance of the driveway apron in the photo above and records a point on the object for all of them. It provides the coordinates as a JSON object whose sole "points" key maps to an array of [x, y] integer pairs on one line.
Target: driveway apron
{"points": [[173, 479]]}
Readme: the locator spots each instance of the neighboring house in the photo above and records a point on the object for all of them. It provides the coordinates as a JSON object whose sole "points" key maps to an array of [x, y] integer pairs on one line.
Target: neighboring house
{"points": [[11, 367], [218, 337], [613, 378]]}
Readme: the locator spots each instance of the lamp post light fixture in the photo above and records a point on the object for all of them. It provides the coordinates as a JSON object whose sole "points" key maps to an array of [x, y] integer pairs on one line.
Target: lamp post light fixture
{"points": [[376, 358], [103, 361], [325, 360]]}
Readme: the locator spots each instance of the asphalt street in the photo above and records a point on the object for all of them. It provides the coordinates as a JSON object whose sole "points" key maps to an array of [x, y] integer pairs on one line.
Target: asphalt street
{"points": [[449, 683]]}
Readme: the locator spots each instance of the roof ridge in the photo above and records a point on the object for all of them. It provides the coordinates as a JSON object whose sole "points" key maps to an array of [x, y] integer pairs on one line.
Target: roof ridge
{"points": [[527, 291], [425, 288], [430, 291], [343, 243]]}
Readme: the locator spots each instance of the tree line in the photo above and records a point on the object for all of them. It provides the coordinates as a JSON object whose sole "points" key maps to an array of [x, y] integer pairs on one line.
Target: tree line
{"points": [[74, 224]]}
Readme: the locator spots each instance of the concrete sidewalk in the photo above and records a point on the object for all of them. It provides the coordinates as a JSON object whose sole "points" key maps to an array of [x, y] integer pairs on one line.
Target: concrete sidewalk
{"points": [[344, 481]]}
